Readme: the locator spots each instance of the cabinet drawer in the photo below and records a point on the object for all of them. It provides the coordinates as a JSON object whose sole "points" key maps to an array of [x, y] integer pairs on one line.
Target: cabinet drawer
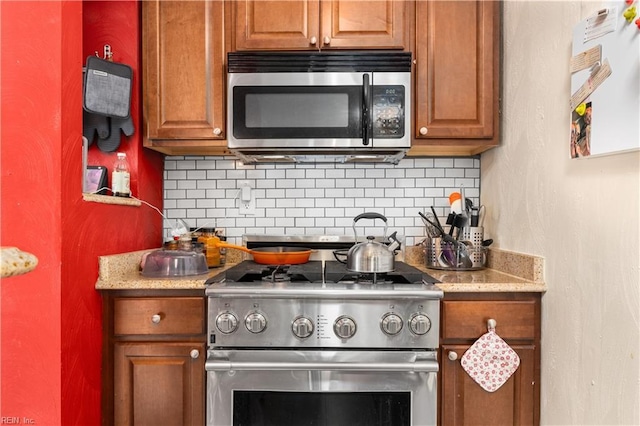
{"points": [[468, 319], [162, 315]]}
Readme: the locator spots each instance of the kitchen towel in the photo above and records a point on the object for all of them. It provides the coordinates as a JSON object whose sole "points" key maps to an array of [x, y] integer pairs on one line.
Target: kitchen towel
{"points": [[490, 361], [107, 88]]}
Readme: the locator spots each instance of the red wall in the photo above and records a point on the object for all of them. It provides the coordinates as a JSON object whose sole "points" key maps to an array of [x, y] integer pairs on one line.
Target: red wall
{"points": [[50, 319]]}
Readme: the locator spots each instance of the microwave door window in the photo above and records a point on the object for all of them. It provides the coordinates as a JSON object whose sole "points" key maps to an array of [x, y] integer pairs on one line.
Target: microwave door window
{"points": [[297, 112]]}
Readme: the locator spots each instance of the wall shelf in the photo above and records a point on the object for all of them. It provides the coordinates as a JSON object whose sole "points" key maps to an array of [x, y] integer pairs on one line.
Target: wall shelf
{"points": [[108, 199]]}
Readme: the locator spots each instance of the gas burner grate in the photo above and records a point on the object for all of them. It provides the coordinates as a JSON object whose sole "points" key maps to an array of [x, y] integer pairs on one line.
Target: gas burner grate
{"points": [[403, 274], [280, 274], [249, 271]]}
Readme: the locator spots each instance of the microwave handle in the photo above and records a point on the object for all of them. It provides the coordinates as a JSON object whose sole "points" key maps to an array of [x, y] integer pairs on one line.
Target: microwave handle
{"points": [[366, 101]]}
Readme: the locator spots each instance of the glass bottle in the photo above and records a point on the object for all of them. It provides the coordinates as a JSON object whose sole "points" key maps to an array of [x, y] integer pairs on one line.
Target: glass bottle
{"points": [[120, 177]]}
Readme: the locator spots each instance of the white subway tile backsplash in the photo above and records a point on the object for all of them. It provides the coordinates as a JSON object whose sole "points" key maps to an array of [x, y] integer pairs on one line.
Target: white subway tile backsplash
{"points": [[196, 193], [176, 175], [314, 199], [186, 165], [186, 203], [216, 174]]}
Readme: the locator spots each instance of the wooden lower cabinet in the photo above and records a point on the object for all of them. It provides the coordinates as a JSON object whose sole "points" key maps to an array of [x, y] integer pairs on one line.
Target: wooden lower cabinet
{"points": [[159, 384], [464, 319], [153, 358]]}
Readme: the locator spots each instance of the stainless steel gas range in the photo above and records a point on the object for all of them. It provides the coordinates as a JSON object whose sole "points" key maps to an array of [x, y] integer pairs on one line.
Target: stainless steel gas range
{"points": [[315, 344]]}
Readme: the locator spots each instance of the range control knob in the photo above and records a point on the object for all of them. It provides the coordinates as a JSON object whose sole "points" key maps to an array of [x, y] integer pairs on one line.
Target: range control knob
{"points": [[226, 322], [344, 327], [302, 327], [391, 324], [419, 324], [255, 322]]}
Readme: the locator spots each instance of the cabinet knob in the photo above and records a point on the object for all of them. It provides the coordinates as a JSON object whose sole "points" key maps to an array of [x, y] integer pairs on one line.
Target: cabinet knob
{"points": [[423, 131], [326, 40], [194, 353], [156, 319], [491, 324], [313, 40], [217, 131], [452, 355]]}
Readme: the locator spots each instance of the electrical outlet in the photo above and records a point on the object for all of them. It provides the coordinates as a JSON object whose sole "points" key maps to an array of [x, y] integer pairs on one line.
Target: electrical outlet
{"points": [[246, 199]]}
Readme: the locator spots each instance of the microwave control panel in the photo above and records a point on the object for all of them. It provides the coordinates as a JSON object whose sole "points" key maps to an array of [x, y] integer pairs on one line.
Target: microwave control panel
{"points": [[388, 111]]}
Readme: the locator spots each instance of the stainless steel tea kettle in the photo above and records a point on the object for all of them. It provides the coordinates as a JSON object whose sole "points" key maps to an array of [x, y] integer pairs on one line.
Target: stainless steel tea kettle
{"points": [[371, 256]]}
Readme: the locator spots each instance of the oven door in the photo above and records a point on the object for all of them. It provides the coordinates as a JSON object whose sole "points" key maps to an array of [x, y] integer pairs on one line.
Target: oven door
{"points": [[350, 388]]}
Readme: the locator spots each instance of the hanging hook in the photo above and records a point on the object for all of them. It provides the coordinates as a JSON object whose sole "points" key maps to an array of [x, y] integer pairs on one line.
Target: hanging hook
{"points": [[491, 324], [108, 54]]}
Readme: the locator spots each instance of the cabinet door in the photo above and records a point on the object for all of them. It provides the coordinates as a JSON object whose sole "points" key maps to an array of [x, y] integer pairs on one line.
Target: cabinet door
{"points": [[464, 402], [323, 24], [363, 24], [457, 65], [273, 25], [183, 79], [159, 384]]}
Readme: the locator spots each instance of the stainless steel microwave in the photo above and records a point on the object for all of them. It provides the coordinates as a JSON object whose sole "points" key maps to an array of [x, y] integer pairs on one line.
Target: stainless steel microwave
{"points": [[319, 107]]}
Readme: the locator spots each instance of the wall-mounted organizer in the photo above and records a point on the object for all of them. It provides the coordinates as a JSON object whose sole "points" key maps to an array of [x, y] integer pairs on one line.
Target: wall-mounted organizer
{"points": [[604, 104]]}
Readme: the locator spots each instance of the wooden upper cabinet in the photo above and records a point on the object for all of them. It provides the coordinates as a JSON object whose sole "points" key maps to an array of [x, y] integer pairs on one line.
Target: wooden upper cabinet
{"points": [[457, 55], [183, 75], [271, 25], [323, 24]]}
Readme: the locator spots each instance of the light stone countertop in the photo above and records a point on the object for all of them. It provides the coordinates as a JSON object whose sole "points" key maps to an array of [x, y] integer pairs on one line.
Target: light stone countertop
{"points": [[506, 272]]}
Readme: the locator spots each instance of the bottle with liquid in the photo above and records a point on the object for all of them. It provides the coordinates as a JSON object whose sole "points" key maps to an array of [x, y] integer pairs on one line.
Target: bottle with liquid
{"points": [[120, 177]]}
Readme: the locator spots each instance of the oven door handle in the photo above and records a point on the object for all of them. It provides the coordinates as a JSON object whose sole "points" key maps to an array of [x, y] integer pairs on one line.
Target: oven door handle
{"points": [[421, 366]]}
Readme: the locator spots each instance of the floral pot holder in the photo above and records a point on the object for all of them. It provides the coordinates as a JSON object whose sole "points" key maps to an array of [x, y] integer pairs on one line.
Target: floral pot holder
{"points": [[490, 361]]}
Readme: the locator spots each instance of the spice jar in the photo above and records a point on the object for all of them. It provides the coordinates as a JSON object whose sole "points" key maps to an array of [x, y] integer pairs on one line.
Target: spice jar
{"points": [[171, 245], [184, 243], [223, 250], [211, 251]]}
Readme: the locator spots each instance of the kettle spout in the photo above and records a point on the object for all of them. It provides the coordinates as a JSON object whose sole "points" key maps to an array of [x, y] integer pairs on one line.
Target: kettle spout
{"points": [[394, 242]]}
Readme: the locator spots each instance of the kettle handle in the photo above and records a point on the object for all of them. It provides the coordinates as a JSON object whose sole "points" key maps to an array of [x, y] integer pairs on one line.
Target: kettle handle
{"points": [[370, 215]]}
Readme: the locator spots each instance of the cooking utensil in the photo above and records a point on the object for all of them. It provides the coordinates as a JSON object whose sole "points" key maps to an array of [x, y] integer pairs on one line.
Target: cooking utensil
{"points": [[474, 216], [430, 226], [481, 214], [371, 256], [439, 225], [279, 255], [447, 258], [487, 243], [458, 222], [464, 260], [468, 202]]}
